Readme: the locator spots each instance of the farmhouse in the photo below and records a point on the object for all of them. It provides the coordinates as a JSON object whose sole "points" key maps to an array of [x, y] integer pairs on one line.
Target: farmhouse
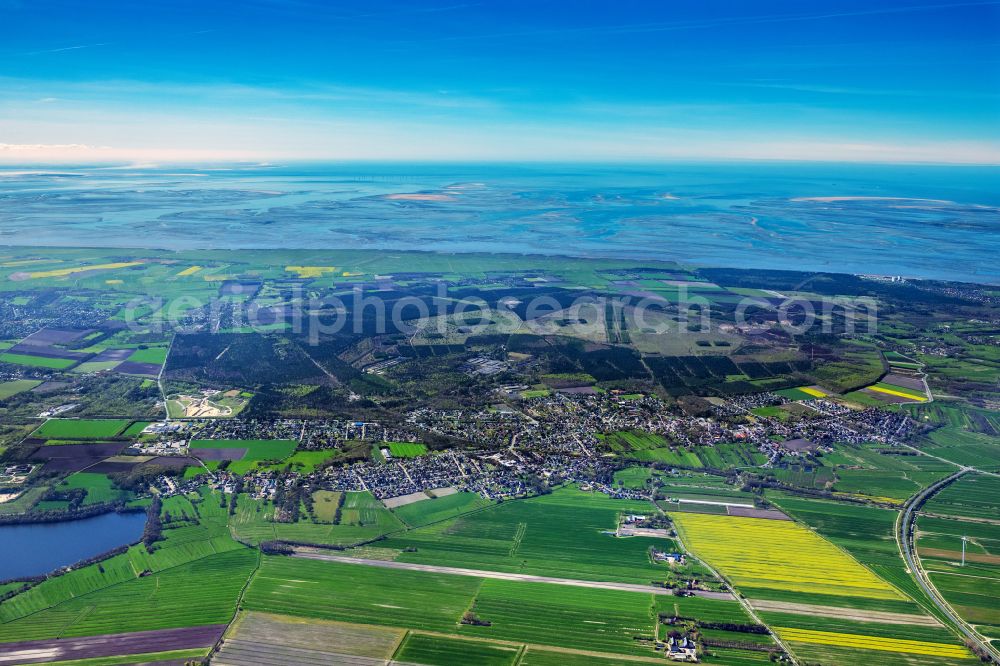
{"points": [[682, 649], [15, 474], [669, 558]]}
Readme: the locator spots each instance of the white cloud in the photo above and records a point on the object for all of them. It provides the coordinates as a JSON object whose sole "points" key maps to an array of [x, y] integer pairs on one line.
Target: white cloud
{"points": [[342, 141], [77, 153], [44, 146], [97, 122]]}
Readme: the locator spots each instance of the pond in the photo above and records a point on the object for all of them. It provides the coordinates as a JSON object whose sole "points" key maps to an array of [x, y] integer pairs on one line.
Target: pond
{"points": [[38, 548]]}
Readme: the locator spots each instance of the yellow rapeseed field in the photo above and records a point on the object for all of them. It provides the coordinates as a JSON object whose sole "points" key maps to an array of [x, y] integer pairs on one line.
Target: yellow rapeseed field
{"points": [[900, 394], [813, 392], [63, 272], [779, 555], [310, 271], [873, 643], [189, 271]]}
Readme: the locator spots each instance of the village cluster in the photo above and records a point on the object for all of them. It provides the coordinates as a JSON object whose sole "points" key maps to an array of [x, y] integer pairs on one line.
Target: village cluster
{"points": [[548, 439]]}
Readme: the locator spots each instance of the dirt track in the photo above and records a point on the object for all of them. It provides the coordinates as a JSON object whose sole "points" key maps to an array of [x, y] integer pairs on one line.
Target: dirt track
{"points": [[479, 573]]}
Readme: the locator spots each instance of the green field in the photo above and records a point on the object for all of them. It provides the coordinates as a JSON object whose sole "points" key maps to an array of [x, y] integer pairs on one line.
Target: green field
{"points": [[363, 518], [676, 457], [443, 651], [803, 477], [95, 366], [725, 456], [772, 412], [355, 593], [257, 451], [325, 504], [535, 656], [648, 447], [588, 619], [892, 484], [9, 587], [406, 449], [13, 387], [157, 355], [959, 415], [625, 441], [306, 462], [972, 496], [965, 448], [633, 477], [706, 610], [37, 361], [98, 486], [795, 394], [433, 510], [80, 428], [960, 510], [135, 429], [866, 471], [564, 534]]}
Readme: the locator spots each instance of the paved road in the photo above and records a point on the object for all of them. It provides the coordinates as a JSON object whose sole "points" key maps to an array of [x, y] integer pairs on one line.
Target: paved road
{"points": [[527, 578], [904, 536]]}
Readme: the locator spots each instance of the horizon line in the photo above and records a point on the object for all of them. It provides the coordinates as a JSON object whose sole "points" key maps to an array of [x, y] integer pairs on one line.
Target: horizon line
{"points": [[525, 161]]}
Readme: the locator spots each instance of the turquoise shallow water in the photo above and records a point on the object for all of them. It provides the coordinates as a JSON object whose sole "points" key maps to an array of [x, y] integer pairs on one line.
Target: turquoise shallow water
{"points": [[932, 222]]}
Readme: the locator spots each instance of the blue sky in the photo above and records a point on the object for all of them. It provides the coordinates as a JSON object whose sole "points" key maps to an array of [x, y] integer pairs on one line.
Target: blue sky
{"points": [[617, 80]]}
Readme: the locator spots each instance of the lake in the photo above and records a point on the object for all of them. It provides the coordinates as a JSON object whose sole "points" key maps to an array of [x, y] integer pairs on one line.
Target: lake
{"points": [[38, 548]]}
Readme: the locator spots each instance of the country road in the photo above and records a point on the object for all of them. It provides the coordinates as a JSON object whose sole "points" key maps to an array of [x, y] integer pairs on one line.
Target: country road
{"points": [[159, 377], [904, 536], [480, 573]]}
